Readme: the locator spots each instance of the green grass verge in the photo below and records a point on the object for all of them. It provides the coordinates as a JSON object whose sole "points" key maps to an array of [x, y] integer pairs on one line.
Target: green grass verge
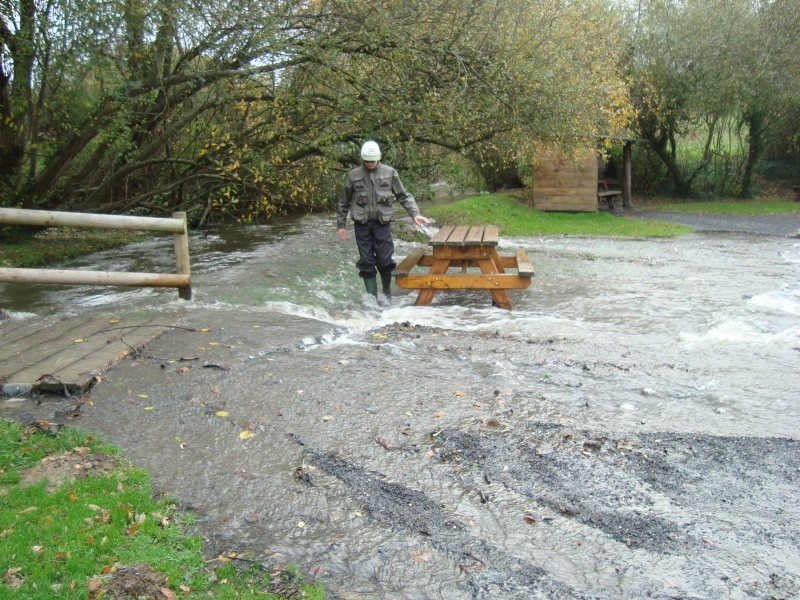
{"points": [[515, 218], [756, 206], [78, 540], [56, 244]]}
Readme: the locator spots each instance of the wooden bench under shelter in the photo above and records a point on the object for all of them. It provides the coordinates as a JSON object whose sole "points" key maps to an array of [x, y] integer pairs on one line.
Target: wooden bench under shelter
{"points": [[607, 194], [464, 246]]}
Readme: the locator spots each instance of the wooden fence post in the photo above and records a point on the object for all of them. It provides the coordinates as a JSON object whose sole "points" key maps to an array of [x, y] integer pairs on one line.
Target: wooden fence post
{"points": [[182, 255], [176, 225], [626, 174]]}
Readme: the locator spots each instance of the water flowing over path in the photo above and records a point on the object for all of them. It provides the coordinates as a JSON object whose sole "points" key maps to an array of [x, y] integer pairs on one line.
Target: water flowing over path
{"points": [[630, 429]]}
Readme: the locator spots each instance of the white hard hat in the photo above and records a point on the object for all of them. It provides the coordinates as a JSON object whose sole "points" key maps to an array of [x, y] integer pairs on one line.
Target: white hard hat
{"points": [[370, 151]]}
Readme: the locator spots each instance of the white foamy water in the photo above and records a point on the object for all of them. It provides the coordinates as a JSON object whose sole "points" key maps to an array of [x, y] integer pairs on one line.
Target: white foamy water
{"points": [[709, 322], [786, 302]]}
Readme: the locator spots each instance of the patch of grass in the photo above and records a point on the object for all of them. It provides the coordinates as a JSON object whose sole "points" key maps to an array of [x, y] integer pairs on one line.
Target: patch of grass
{"points": [[80, 538], [57, 244], [755, 206], [516, 219]]}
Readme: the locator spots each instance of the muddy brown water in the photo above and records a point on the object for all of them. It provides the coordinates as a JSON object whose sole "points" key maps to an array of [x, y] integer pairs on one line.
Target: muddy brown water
{"points": [[629, 430]]}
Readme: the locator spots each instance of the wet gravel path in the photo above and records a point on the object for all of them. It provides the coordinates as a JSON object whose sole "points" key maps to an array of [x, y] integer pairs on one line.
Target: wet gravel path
{"points": [[783, 225]]}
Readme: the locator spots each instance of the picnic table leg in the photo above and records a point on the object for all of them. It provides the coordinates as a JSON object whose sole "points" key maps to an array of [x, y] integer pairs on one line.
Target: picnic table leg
{"points": [[490, 266], [425, 297]]}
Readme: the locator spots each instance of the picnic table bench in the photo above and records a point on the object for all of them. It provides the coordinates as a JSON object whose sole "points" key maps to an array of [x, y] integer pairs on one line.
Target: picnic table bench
{"points": [[607, 194], [464, 246]]}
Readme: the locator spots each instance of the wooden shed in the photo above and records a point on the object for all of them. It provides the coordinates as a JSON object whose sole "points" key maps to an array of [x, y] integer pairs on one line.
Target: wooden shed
{"points": [[564, 183], [572, 183]]}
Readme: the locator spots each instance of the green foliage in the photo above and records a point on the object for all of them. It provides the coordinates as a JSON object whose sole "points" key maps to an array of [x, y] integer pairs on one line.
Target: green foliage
{"points": [[712, 81], [72, 538], [28, 248], [515, 218], [214, 109], [142, 108]]}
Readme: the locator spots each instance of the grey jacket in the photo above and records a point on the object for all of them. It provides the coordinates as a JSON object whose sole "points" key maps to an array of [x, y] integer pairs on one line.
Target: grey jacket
{"points": [[368, 196]]}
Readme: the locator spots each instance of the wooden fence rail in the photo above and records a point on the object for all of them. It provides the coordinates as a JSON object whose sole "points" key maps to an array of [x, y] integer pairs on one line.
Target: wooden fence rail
{"points": [[176, 225]]}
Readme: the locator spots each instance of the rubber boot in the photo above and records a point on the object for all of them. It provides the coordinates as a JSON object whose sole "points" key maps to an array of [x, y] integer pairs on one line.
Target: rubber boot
{"points": [[371, 283], [386, 281]]}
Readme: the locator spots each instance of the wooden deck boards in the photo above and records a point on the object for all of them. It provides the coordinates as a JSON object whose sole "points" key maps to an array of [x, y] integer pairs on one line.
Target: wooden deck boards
{"points": [[66, 356]]}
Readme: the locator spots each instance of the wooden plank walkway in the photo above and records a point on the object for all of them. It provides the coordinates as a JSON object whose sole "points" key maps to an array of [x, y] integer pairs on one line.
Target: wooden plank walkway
{"points": [[68, 356]]}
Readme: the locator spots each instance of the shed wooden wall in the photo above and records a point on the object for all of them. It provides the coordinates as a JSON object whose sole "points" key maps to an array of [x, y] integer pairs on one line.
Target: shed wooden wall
{"points": [[561, 183]]}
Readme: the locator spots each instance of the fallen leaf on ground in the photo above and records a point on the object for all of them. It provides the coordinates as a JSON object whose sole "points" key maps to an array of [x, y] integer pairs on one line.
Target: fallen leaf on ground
{"points": [[419, 555], [93, 584], [12, 579]]}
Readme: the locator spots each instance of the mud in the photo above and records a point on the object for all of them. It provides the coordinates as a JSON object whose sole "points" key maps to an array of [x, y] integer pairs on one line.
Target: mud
{"points": [[69, 466], [130, 582]]}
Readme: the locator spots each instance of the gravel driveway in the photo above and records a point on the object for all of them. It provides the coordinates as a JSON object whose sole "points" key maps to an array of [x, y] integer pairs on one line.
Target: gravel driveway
{"points": [[783, 225]]}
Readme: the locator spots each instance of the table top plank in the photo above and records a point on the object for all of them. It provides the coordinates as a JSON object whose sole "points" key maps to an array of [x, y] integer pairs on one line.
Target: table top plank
{"points": [[440, 237], [474, 236], [491, 235], [457, 236]]}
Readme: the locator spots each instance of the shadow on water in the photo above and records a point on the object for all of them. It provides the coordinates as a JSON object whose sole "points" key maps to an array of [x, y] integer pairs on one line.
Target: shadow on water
{"points": [[628, 430]]}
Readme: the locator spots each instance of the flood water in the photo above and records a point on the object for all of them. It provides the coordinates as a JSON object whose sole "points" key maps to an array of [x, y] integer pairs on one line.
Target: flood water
{"points": [[629, 429]]}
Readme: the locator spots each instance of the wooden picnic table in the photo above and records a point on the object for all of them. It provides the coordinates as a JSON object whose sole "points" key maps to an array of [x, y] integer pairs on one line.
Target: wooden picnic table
{"points": [[464, 246], [607, 193]]}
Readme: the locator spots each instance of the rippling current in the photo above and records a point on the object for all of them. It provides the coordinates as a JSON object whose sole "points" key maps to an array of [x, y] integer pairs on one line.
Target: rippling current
{"points": [[726, 304], [628, 430]]}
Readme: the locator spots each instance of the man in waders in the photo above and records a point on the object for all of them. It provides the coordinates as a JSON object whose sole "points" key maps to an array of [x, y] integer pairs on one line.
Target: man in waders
{"points": [[367, 194]]}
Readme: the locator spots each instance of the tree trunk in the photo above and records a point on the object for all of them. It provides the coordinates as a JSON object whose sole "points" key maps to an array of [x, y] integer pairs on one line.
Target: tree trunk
{"points": [[755, 136], [659, 145]]}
